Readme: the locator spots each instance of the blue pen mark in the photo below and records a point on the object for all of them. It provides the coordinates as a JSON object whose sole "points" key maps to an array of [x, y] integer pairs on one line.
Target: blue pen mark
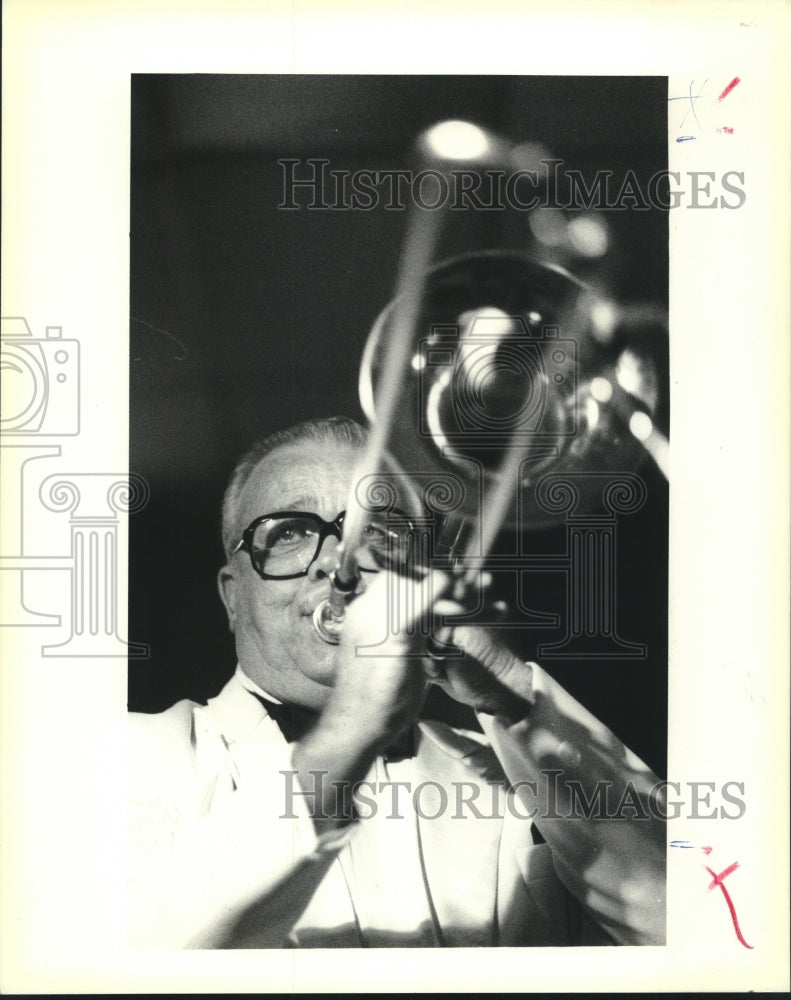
{"points": [[691, 107], [693, 99]]}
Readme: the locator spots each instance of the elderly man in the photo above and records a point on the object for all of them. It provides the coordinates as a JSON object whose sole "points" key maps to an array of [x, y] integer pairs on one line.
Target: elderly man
{"points": [[312, 804]]}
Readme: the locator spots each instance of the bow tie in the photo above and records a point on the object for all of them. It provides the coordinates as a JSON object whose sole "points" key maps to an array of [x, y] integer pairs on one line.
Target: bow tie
{"points": [[294, 722]]}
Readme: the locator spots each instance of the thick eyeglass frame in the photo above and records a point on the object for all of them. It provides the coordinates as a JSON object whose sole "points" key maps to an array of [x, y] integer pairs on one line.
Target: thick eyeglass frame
{"points": [[326, 528]]}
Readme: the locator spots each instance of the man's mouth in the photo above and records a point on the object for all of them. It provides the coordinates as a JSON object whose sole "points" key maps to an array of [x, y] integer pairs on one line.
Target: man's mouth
{"points": [[307, 607]]}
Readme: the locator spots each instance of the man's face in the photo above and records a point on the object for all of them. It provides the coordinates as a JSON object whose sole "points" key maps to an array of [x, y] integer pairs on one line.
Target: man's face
{"points": [[276, 643]]}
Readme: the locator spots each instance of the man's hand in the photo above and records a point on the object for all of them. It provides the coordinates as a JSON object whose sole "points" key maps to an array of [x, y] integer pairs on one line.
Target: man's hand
{"points": [[488, 676], [379, 679], [379, 684]]}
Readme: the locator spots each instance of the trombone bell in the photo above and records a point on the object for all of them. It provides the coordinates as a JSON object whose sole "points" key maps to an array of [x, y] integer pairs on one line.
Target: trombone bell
{"points": [[510, 354]]}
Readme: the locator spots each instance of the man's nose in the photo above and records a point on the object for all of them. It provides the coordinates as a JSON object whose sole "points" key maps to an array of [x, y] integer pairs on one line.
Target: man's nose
{"points": [[326, 560]]}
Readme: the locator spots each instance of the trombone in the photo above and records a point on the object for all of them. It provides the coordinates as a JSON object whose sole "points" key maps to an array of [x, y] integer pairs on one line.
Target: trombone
{"points": [[499, 369]]}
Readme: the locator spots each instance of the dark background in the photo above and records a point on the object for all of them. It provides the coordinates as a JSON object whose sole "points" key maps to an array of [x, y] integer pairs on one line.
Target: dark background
{"points": [[246, 318]]}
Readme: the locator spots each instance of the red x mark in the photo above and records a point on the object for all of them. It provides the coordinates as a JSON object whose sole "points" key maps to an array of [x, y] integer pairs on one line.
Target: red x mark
{"points": [[717, 882]]}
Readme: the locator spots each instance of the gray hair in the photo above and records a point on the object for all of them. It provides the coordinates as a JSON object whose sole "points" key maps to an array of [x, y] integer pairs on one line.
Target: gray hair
{"points": [[336, 430]]}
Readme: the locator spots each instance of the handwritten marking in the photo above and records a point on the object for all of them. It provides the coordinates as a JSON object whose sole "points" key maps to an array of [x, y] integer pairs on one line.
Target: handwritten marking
{"points": [[734, 82], [692, 99], [717, 883], [691, 102]]}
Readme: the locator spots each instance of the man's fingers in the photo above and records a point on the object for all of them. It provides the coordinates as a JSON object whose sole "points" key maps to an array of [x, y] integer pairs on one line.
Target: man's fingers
{"points": [[397, 607]]}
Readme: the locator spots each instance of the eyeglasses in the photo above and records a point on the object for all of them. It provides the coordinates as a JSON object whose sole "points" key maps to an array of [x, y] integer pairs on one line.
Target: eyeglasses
{"points": [[284, 544]]}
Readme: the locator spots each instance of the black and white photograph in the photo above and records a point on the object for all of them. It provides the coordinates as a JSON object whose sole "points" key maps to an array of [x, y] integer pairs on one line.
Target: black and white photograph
{"points": [[511, 420], [393, 518]]}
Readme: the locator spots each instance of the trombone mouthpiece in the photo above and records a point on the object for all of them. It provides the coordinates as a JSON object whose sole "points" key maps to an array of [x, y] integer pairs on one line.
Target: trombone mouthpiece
{"points": [[328, 616], [328, 622]]}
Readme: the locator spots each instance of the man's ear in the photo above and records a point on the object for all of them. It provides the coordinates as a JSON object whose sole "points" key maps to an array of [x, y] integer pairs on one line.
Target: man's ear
{"points": [[227, 585]]}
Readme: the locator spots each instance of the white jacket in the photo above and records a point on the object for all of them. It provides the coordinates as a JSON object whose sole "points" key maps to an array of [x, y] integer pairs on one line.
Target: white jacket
{"points": [[224, 853]]}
